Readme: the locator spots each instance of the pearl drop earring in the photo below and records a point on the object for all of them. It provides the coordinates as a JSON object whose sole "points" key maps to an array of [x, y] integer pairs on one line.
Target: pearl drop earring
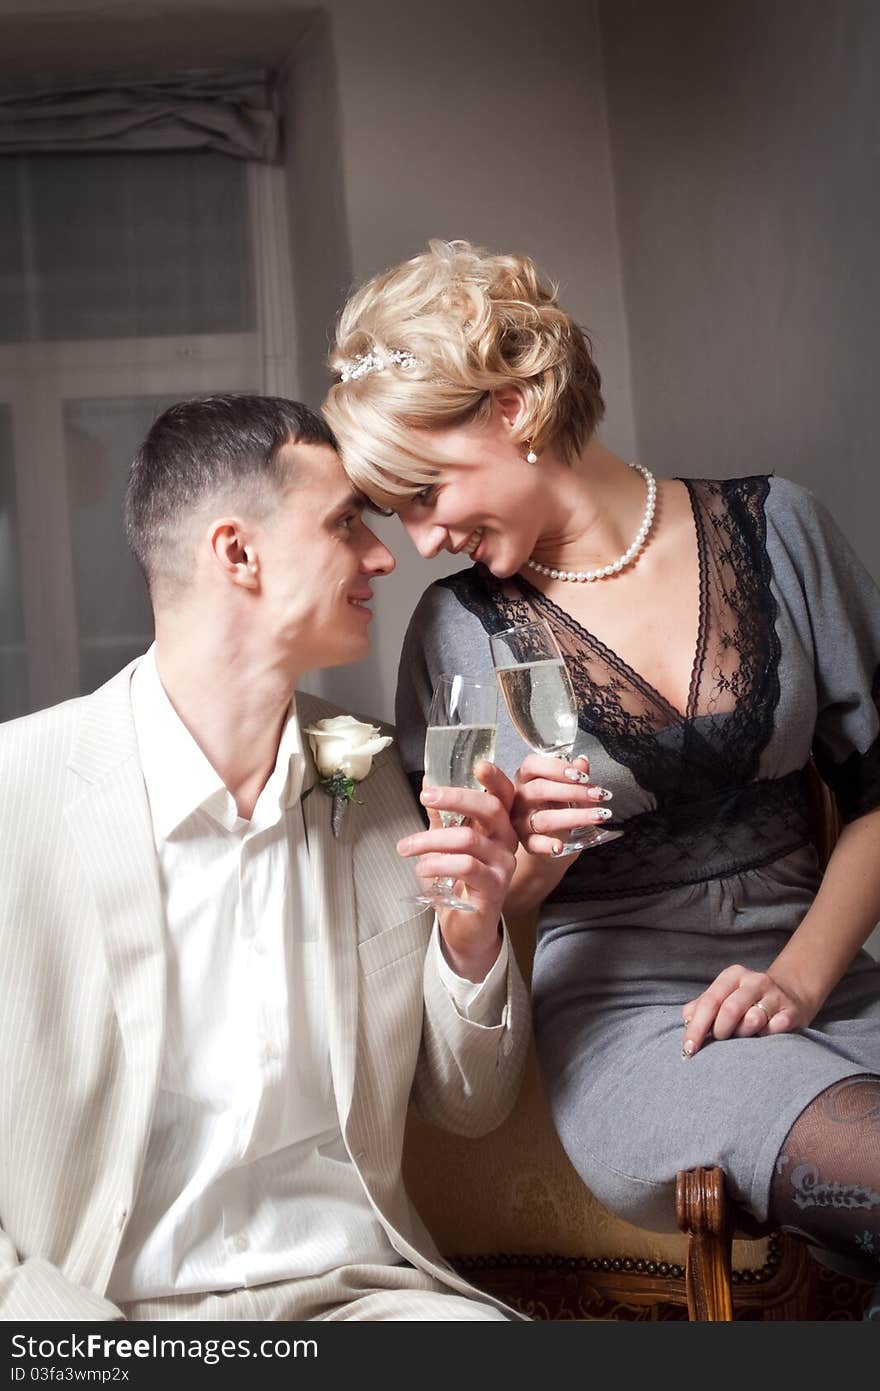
{"points": [[531, 457]]}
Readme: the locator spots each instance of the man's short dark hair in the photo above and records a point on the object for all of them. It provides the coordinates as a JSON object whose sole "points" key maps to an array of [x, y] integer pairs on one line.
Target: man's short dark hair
{"points": [[204, 447]]}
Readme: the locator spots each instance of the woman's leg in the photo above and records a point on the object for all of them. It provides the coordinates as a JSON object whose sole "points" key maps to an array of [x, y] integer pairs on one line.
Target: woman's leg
{"points": [[826, 1186]]}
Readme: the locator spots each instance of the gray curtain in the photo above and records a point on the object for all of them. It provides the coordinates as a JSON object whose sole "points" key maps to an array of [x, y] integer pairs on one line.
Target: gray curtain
{"points": [[233, 112]]}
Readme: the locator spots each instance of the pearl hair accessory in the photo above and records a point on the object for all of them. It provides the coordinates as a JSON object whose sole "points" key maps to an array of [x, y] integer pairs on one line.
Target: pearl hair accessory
{"points": [[365, 363], [605, 571]]}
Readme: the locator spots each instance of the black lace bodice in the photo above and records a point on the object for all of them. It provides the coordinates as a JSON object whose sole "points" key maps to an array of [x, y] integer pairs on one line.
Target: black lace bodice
{"points": [[695, 763]]}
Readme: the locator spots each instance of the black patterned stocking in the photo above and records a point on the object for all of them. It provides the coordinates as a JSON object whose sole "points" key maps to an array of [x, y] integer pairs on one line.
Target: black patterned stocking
{"points": [[827, 1181]]}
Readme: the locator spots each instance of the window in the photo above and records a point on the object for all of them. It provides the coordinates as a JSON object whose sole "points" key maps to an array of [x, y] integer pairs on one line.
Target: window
{"points": [[134, 280]]}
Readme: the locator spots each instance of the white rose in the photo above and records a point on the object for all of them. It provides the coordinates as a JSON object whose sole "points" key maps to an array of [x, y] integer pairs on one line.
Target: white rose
{"points": [[345, 745]]}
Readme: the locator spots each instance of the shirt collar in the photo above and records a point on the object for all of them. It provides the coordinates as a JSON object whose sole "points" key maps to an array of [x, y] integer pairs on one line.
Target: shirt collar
{"points": [[180, 779]]}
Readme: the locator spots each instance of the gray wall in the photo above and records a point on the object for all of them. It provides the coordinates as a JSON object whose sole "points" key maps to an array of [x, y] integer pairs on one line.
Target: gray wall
{"points": [[484, 121], [745, 137]]}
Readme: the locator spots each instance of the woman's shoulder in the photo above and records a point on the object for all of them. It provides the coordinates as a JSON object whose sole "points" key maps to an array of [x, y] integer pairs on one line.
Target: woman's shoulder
{"points": [[804, 529], [447, 595], [448, 605], [794, 510], [786, 495], [784, 501], [787, 517]]}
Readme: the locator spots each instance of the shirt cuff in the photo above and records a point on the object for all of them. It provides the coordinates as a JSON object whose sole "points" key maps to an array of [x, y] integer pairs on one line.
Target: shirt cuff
{"points": [[480, 1002]]}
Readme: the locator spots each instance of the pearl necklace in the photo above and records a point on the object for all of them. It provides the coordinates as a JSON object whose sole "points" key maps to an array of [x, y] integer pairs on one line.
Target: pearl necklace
{"points": [[629, 554]]}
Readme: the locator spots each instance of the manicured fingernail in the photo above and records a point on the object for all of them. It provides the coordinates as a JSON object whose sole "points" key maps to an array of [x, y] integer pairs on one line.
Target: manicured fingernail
{"points": [[574, 776], [601, 794], [603, 813], [688, 1049], [557, 847], [687, 1023], [404, 846], [429, 797]]}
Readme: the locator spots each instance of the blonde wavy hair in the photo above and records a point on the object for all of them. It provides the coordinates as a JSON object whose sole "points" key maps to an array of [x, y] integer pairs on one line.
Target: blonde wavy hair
{"points": [[475, 323]]}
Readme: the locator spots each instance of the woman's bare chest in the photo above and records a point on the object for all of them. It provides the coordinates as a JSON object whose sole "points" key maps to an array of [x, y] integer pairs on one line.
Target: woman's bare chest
{"points": [[648, 618]]}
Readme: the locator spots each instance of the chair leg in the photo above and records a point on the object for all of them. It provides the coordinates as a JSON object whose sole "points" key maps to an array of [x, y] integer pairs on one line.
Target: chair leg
{"points": [[701, 1212]]}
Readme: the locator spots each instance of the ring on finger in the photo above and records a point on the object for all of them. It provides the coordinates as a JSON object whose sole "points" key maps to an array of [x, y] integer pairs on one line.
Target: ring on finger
{"points": [[532, 827], [759, 1005]]}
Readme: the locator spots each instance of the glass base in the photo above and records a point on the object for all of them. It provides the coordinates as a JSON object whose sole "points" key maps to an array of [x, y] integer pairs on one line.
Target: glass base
{"points": [[587, 838], [441, 900]]}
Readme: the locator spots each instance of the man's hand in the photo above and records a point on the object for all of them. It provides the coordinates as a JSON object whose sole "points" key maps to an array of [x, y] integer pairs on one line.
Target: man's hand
{"points": [[741, 1004], [479, 855]]}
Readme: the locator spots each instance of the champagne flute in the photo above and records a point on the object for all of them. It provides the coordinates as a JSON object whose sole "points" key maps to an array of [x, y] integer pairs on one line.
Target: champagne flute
{"points": [[540, 701], [461, 731]]}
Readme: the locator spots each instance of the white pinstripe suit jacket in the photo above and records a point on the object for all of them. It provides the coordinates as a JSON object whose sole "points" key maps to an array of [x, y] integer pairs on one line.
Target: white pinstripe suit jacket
{"points": [[82, 994]]}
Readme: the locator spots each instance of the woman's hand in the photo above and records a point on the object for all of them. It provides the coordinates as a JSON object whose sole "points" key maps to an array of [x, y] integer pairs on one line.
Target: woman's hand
{"points": [[742, 1004], [479, 855], [553, 798]]}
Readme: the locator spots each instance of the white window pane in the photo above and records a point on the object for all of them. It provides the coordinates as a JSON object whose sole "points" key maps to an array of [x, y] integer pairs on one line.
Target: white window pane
{"points": [[13, 657], [113, 611], [126, 245]]}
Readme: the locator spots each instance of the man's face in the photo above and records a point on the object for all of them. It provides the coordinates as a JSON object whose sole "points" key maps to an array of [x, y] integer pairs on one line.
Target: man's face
{"points": [[317, 561]]}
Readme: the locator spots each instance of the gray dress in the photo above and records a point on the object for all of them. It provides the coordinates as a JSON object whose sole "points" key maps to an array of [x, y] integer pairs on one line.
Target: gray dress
{"points": [[716, 866]]}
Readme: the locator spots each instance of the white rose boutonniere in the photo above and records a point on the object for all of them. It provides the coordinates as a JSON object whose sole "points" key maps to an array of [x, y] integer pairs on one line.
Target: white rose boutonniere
{"points": [[344, 749]]}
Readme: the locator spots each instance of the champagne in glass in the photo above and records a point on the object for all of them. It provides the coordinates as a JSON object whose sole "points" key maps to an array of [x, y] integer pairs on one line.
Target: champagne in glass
{"points": [[451, 754], [541, 704], [540, 701], [460, 732]]}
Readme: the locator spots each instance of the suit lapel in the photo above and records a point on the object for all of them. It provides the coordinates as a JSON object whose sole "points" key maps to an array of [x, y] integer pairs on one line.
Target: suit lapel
{"points": [[332, 862], [109, 820]]}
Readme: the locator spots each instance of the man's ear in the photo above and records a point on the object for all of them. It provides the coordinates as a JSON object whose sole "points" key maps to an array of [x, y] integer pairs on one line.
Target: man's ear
{"points": [[235, 553], [510, 404]]}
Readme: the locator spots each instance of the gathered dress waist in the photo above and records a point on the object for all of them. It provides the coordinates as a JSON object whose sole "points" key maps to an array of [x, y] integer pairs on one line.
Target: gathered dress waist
{"points": [[723, 832]]}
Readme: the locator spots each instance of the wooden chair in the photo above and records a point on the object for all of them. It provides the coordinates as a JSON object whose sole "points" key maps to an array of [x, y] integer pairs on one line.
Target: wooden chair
{"points": [[514, 1217]]}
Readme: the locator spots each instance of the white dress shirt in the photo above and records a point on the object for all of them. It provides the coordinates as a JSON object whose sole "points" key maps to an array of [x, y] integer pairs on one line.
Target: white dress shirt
{"points": [[246, 1177]]}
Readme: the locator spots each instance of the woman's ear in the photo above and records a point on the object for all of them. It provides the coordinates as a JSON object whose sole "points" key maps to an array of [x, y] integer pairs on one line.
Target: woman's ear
{"points": [[510, 404]]}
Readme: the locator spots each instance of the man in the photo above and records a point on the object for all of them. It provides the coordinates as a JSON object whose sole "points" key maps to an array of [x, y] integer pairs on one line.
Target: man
{"points": [[215, 1011]]}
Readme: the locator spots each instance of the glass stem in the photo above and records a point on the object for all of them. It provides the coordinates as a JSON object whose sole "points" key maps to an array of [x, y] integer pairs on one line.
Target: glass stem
{"points": [[448, 818]]}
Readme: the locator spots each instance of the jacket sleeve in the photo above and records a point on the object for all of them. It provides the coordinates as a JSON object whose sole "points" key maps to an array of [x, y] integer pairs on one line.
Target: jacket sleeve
{"points": [[468, 1075], [33, 1290]]}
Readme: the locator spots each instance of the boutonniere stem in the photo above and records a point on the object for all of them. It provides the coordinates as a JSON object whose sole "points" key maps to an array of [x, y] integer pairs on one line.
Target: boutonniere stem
{"points": [[341, 789]]}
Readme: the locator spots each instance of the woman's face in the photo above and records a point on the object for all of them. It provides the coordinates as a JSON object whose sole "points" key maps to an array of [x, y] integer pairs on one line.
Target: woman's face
{"points": [[486, 500]]}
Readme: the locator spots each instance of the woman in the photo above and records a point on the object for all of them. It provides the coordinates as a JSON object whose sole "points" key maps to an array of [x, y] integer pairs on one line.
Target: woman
{"points": [[699, 995]]}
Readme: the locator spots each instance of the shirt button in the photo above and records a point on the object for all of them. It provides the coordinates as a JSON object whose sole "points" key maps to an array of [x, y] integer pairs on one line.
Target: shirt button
{"points": [[270, 1053], [240, 1243], [259, 946], [120, 1215]]}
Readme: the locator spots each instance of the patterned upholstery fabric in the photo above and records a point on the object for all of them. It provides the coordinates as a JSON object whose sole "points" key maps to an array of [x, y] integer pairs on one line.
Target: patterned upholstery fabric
{"points": [[514, 1192]]}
